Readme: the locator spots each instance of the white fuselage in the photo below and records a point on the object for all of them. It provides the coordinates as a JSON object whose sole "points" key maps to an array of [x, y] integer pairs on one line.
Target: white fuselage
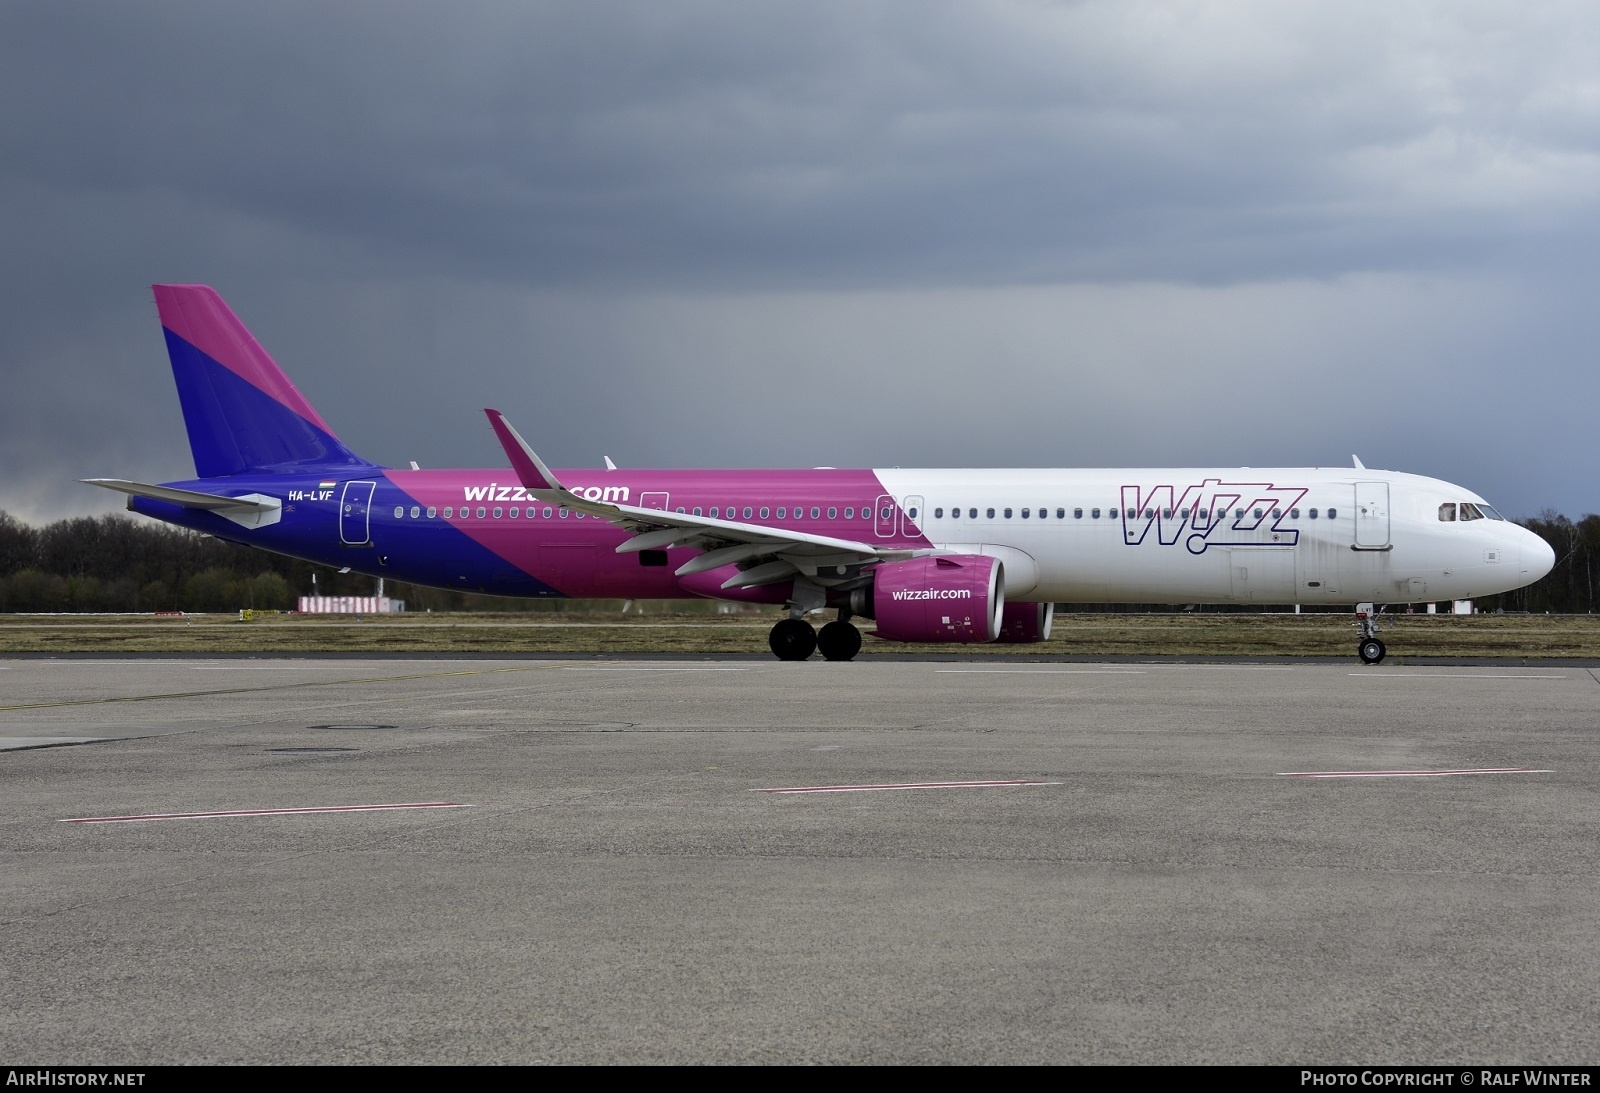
{"points": [[1278, 535]]}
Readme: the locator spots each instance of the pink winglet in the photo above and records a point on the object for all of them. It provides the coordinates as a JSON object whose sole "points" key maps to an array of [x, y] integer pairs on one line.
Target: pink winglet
{"points": [[523, 461], [198, 315]]}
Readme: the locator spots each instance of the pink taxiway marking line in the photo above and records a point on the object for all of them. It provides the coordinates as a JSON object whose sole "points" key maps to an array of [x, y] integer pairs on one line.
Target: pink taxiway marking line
{"points": [[905, 785], [257, 812], [1407, 773]]}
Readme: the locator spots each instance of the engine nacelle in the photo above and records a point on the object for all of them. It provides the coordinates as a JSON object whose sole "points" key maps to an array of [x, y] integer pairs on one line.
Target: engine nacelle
{"points": [[1024, 623], [955, 597]]}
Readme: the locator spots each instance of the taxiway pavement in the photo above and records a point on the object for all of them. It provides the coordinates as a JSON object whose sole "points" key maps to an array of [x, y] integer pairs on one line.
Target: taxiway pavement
{"points": [[616, 888]]}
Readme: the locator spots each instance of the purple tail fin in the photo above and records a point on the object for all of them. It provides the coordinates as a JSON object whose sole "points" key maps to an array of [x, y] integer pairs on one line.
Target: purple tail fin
{"points": [[241, 411]]}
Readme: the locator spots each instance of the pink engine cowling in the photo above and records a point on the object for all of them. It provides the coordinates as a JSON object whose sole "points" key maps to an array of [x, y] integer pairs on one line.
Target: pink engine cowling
{"points": [[1025, 623], [956, 597]]}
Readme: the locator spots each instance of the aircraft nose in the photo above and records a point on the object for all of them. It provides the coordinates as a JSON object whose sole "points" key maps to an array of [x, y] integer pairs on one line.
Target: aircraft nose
{"points": [[1537, 557]]}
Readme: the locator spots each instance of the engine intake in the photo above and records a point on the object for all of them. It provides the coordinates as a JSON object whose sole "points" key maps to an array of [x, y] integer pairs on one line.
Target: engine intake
{"points": [[953, 597]]}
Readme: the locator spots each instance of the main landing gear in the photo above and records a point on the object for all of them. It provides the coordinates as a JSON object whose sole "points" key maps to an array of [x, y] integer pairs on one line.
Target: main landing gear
{"points": [[1370, 649], [794, 639]]}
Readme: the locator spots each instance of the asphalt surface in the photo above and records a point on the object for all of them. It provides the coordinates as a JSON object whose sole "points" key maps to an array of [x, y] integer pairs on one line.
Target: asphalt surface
{"points": [[616, 888]]}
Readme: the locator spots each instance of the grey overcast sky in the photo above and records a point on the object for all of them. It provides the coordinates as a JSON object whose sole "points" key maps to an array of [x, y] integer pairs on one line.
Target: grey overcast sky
{"points": [[737, 233]]}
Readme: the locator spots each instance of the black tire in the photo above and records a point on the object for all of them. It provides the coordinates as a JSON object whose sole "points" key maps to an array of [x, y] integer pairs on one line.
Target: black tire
{"points": [[839, 641], [792, 639], [1371, 651]]}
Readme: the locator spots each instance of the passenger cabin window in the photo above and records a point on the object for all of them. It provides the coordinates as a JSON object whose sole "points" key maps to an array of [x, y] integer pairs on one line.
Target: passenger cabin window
{"points": [[433, 512], [513, 512], [850, 512], [991, 513], [399, 511], [1025, 513], [765, 512], [1094, 513], [547, 513], [816, 513], [698, 512], [1312, 514], [972, 514], [482, 512], [448, 512], [1333, 514], [1077, 514], [833, 513]]}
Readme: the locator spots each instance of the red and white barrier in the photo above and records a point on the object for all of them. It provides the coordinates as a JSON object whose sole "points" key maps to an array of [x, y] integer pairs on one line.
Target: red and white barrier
{"points": [[350, 605]]}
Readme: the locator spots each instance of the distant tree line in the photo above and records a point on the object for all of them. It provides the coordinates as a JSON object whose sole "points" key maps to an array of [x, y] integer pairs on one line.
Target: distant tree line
{"points": [[116, 563]]}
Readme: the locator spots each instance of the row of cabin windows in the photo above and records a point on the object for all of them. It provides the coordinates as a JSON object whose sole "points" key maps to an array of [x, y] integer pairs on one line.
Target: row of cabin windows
{"points": [[734, 512], [1119, 513], [783, 512], [765, 512]]}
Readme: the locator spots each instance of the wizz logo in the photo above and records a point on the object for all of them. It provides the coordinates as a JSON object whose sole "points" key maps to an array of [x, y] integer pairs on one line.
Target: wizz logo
{"points": [[1213, 513]]}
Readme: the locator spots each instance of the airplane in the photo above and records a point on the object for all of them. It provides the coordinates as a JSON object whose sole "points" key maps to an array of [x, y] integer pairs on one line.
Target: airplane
{"points": [[957, 556]]}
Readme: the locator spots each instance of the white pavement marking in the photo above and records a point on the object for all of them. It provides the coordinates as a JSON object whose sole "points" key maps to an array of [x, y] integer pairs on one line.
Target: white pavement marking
{"points": [[905, 785], [256, 812], [1447, 675], [573, 669], [1221, 667], [1038, 672], [1407, 773], [269, 667]]}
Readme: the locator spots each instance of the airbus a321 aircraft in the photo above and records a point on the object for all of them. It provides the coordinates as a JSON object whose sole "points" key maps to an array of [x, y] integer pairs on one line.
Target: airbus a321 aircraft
{"points": [[927, 555]]}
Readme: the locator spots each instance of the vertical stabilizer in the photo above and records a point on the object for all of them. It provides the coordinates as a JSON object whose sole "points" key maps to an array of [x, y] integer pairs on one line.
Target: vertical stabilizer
{"points": [[241, 411]]}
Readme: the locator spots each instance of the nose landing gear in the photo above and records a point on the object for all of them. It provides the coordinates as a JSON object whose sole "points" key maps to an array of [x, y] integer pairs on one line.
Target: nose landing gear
{"points": [[1370, 649]]}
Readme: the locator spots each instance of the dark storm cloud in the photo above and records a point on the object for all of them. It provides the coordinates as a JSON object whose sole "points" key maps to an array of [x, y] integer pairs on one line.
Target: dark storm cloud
{"points": [[768, 233], [908, 143]]}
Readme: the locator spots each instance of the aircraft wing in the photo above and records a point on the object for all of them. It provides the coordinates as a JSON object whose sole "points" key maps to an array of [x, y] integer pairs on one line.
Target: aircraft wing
{"points": [[764, 554]]}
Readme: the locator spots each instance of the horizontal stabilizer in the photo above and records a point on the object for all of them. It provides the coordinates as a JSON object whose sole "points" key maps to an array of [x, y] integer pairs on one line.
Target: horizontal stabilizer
{"points": [[251, 510], [189, 499]]}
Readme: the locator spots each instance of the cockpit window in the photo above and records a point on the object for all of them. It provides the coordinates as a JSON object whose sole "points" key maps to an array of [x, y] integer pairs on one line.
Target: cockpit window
{"points": [[1447, 511], [1489, 512], [1469, 511]]}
